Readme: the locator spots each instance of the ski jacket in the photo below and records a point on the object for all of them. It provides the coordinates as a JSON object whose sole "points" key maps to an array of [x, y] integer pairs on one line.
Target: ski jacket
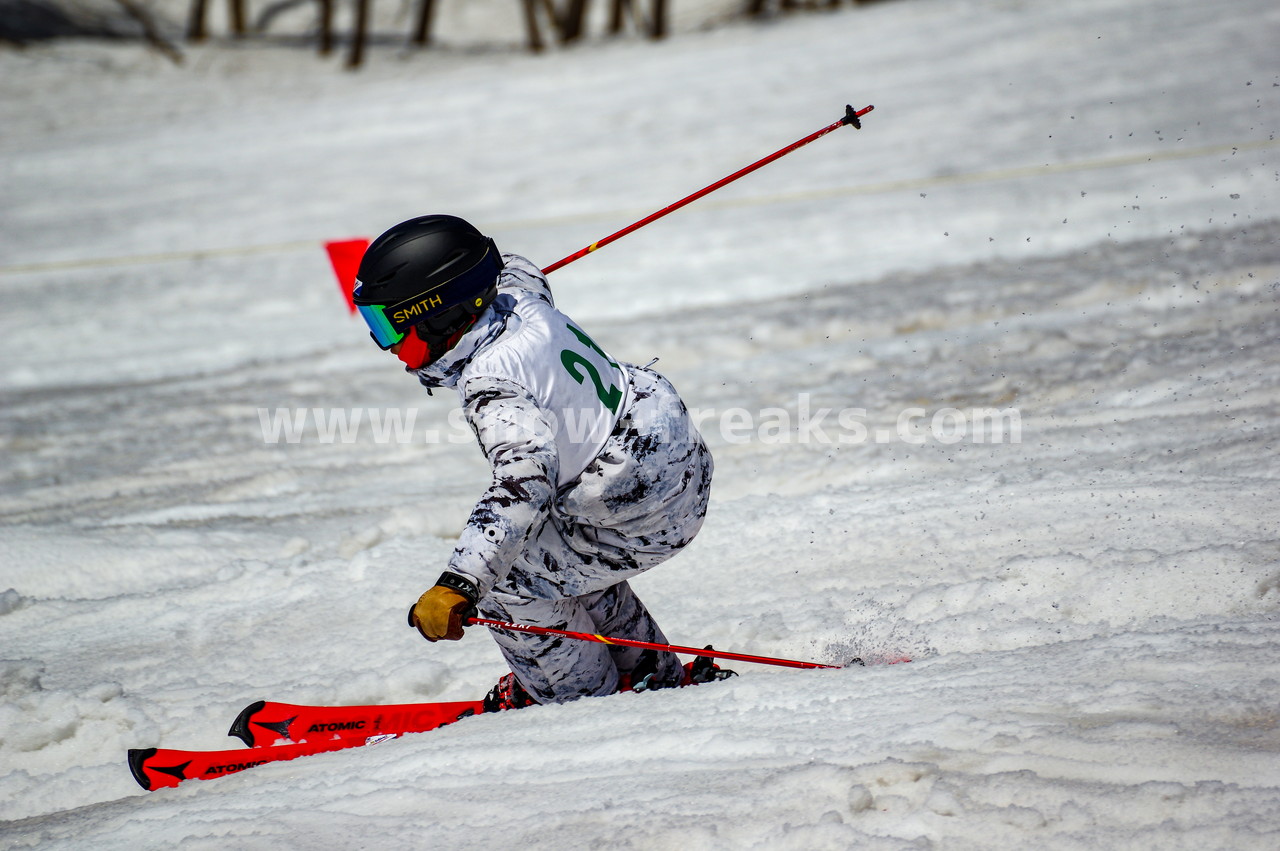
{"points": [[555, 414]]}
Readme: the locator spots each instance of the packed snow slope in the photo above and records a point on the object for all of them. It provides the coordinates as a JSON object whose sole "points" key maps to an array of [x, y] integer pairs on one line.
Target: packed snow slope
{"points": [[990, 383]]}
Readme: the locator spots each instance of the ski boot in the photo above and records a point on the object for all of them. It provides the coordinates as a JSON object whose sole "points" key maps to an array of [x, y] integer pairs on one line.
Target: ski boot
{"points": [[507, 694], [703, 670]]}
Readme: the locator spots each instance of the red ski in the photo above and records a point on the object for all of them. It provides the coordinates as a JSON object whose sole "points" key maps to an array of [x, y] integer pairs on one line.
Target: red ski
{"points": [[155, 768], [268, 723], [276, 732]]}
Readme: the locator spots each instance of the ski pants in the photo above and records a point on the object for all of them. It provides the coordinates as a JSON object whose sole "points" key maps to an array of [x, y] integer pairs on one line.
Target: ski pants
{"points": [[637, 504]]}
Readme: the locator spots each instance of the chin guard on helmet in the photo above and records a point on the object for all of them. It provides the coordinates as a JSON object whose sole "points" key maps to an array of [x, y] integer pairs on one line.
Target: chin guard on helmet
{"points": [[414, 351], [428, 341]]}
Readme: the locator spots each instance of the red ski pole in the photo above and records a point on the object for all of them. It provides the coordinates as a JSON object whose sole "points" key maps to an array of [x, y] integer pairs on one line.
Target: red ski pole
{"points": [[645, 645], [851, 117]]}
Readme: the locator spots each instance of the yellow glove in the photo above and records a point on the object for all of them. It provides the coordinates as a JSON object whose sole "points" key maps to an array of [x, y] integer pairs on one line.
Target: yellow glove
{"points": [[438, 614]]}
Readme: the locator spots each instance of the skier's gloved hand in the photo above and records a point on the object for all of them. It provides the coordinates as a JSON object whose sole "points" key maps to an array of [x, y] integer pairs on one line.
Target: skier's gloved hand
{"points": [[439, 613]]}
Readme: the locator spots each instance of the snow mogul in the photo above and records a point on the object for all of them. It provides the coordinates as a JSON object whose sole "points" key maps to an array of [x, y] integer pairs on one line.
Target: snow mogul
{"points": [[599, 472]]}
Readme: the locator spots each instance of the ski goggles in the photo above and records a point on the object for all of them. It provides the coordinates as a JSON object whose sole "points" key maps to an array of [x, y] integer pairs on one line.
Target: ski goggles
{"points": [[437, 308]]}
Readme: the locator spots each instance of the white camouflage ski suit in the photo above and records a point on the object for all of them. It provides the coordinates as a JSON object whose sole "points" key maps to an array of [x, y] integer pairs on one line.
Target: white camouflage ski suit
{"points": [[598, 475]]}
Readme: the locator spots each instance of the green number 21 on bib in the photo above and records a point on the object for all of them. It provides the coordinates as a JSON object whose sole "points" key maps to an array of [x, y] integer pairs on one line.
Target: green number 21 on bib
{"points": [[576, 363]]}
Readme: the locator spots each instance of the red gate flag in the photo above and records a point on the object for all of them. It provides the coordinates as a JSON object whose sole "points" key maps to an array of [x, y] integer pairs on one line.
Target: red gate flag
{"points": [[345, 256]]}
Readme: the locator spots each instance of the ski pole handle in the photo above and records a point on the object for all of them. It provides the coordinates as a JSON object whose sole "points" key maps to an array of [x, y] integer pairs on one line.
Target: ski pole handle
{"points": [[646, 645]]}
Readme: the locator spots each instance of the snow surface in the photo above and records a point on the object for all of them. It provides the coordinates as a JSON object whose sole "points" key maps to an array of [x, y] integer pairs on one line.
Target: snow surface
{"points": [[1065, 210]]}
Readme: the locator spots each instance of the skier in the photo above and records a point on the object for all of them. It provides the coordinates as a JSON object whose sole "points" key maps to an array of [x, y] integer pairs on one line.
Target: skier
{"points": [[598, 471]]}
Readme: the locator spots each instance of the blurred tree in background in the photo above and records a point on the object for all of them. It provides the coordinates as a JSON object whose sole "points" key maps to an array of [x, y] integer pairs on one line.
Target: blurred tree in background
{"points": [[165, 23]]}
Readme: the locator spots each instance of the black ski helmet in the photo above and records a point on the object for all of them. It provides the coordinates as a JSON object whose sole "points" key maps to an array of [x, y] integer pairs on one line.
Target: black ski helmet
{"points": [[432, 274]]}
